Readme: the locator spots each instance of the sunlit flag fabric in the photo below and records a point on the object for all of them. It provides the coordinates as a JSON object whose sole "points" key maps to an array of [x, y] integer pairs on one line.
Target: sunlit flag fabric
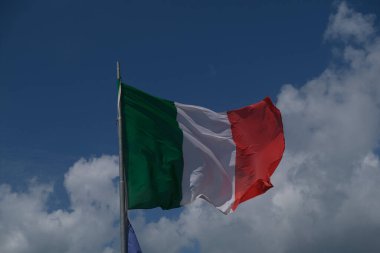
{"points": [[133, 244], [175, 153]]}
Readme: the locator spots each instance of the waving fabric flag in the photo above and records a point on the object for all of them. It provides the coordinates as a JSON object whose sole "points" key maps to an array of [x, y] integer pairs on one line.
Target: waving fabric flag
{"points": [[133, 244], [175, 153]]}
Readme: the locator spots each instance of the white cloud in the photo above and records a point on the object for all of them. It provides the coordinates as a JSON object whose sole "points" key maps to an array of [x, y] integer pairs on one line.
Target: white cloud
{"points": [[347, 24], [326, 195], [89, 225]]}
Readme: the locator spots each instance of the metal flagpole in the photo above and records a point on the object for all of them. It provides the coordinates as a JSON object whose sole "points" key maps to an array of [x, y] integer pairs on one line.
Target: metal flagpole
{"points": [[122, 174]]}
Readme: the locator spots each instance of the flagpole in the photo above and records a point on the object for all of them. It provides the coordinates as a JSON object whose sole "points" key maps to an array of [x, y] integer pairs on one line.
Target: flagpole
{"points": [[122, 174]]}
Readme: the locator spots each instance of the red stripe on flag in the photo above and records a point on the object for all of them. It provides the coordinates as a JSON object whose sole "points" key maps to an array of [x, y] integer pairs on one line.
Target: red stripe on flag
{"points": [[259, 137]]}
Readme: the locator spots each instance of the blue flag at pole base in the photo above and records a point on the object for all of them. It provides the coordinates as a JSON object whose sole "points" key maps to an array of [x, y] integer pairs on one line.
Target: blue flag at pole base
{"points": [[133, 244]]}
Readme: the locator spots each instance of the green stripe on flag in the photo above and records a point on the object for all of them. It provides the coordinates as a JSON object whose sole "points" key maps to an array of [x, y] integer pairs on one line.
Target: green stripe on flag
{"points": [[152, 147]]}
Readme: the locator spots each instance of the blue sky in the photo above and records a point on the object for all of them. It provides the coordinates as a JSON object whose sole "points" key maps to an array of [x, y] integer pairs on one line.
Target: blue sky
{"points": [[58, 99]]}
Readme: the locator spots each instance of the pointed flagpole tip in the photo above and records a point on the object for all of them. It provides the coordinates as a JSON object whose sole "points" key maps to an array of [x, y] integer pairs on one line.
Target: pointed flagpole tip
{"points": [[117, 70]]}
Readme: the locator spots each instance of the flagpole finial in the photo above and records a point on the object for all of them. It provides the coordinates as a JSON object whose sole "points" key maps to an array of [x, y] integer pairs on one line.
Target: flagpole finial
{"points": [[117, 70]]}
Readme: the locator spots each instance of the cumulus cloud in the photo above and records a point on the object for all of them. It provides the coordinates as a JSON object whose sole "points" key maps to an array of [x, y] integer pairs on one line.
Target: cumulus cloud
{"points": [[88, 225], [347, 24], [326, 195]]}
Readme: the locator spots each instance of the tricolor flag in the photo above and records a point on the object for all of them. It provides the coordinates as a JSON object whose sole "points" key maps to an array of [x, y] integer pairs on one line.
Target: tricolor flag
{"points": [[175, 153]]}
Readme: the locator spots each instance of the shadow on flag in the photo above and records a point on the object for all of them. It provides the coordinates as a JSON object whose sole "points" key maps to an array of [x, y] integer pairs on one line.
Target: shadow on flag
{"points": [[133, 244]]}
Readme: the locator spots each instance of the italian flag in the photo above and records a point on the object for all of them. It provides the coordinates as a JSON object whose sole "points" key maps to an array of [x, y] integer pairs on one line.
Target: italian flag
{"points": [[175, 153]]}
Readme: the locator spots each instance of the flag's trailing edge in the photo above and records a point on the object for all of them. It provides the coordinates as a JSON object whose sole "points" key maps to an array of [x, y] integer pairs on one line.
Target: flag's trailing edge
{"points": [[175, 153]]}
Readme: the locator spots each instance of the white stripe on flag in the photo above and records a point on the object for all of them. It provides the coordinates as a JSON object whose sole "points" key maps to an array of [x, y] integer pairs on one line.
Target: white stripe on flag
{"points": [[207, 137]]}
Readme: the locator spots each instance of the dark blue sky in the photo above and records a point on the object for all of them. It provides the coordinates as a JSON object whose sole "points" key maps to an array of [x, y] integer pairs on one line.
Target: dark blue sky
{"points": [[57, 67]]}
